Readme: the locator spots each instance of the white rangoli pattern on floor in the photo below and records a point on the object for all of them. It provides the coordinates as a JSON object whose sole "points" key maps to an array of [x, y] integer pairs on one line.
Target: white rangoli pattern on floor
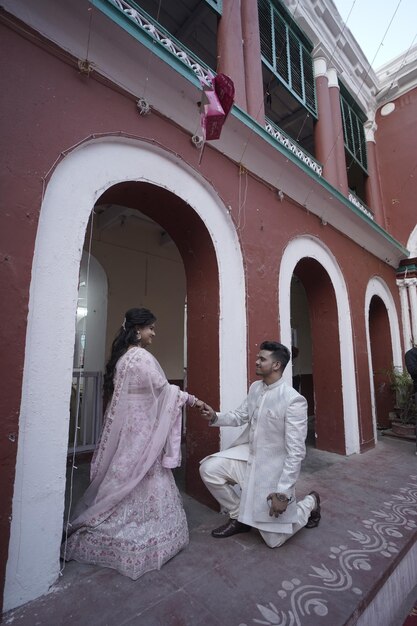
{"points": [[380, 536]]}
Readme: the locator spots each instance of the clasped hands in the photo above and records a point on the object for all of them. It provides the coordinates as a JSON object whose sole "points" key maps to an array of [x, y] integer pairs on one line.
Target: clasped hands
{"points": [[206, 411]]}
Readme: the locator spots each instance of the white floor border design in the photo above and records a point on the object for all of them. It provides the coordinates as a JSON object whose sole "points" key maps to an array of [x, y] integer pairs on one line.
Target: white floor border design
{"points": [[380, 536]]}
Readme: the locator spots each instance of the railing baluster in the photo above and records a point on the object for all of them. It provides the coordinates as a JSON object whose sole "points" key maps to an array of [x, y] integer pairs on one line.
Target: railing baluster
{"points": [[84, 409], [88, 387]]}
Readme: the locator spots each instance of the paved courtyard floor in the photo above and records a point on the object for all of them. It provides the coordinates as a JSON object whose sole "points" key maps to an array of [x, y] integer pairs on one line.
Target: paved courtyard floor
{"points": [[325, 576]]}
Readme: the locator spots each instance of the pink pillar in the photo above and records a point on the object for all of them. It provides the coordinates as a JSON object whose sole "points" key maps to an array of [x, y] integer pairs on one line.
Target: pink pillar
{"points": [[324, 136], [339, 144], [252, 60], [373, 185], [230, 49]]}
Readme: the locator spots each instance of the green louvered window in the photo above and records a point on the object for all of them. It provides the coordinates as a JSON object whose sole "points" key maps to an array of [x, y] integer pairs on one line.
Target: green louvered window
{"points": [[353, 128], [287, 52]]}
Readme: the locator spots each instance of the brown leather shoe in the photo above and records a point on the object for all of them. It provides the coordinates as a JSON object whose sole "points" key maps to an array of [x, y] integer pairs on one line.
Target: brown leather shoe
{"points": [[315, 515], [233, 527]]}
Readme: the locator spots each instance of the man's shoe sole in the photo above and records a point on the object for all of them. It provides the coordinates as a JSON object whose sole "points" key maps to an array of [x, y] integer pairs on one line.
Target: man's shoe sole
{"points": [[228, 530], [315, 516]]}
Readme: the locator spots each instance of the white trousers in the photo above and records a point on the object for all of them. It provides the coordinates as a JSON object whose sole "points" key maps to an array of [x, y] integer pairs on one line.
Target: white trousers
{"points": [[219, 474]]}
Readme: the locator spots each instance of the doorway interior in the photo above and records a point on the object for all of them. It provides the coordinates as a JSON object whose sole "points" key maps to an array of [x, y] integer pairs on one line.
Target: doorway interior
{"points": [[142, 265], [302, 359], [128, 260], [314, 317]]}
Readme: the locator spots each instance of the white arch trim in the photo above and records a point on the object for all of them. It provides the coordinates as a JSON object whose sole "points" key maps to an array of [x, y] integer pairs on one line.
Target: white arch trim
{"points": [[76, 183], [378, 287], [308, 246], [412, 242]]}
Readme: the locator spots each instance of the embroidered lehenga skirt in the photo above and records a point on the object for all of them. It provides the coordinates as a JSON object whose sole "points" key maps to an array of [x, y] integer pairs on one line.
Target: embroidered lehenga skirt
{"points": [[146, 529]]}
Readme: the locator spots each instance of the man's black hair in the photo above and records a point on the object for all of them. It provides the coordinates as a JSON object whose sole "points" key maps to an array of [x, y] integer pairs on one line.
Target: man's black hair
{"points": [[279, 352]]}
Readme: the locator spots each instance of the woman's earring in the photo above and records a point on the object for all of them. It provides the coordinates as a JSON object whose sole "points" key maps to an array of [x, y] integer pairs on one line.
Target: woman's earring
{"points": [[139, 336]]}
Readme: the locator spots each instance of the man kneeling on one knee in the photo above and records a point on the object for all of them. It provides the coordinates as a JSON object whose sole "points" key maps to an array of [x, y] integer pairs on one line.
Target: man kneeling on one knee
{"points": [[265, 459]]}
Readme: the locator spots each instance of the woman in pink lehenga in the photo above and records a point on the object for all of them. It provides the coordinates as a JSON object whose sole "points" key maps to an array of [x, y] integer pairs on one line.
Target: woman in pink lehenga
{"points": [[131, 517]]}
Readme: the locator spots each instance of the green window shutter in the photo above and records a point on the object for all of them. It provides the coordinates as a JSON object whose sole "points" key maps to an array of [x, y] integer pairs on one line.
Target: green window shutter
{"points": [[295, 55], [281, 64], [265, 28], [217, 5], [353, 130], [361, 143], [287, 52], [309, 82]]}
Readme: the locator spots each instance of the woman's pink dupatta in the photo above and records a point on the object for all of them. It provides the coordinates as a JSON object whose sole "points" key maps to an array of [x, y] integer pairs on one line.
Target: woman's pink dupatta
{"points": [[142, 423]]}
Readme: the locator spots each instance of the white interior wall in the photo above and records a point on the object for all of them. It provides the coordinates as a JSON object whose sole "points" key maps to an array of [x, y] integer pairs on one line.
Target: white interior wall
{"points": [[300, 321], [142, 272], [92, 295]]}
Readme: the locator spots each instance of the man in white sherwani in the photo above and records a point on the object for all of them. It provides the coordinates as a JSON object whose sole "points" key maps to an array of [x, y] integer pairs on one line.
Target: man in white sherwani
{"points": [[265, 459]]}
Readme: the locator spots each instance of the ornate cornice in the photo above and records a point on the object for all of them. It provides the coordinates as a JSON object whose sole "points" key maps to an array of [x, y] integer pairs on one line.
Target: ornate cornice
{"points": [[332, 39], [397, 77], [334, 42]]}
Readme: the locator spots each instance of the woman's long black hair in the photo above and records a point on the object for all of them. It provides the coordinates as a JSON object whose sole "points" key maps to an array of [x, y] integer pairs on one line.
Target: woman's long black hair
{"points": [[126, 337]]}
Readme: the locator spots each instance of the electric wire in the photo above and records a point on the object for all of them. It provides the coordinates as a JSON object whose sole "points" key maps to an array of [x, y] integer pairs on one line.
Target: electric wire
{"points": [[90, 9], [400, 67], [67, 523], [363, 141], [150, 55], [262, 106], [78, 402], [414, 167]]}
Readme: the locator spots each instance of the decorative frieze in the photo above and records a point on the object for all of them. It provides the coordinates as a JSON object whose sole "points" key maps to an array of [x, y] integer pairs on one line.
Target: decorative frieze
{"points": [[359, 205], [291, 145], [158, 34], [205, 74]]}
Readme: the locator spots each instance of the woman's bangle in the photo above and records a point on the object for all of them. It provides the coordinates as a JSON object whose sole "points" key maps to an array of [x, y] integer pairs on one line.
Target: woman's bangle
{"points": [[192, 400]]}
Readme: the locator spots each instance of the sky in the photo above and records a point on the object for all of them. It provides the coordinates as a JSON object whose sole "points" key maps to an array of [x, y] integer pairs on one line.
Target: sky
{"points": [[369, 21]]}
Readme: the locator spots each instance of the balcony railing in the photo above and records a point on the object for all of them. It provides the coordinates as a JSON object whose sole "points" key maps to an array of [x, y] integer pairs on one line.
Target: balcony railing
{"points": [[293, 146], [163, 37], [148, 25], [353, 198], [86, 411]]}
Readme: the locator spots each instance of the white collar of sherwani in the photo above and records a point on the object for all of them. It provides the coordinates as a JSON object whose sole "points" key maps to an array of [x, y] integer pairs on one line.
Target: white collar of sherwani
{"points": [[266, 387]]}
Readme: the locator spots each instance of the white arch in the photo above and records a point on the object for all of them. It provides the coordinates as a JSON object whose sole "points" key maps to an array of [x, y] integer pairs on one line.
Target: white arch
{"points": [[75, 185], [412, 242], [309, 246], [378, 287]]}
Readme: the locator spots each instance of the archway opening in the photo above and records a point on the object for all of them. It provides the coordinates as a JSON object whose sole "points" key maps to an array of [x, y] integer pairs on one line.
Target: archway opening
{"points": [[382, 361], [157, 253], [302, 361], [325, 393], [211, 254]]}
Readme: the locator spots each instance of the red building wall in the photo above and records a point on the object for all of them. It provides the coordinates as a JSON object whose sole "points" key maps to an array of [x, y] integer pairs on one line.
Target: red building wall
{"points": [[47, 108], [396, 141]]}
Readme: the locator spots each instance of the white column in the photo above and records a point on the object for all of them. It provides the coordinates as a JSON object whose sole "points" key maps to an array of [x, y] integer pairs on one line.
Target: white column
{"points": [[319, 66], [405, 315], [412, 295], [332, 77]]}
